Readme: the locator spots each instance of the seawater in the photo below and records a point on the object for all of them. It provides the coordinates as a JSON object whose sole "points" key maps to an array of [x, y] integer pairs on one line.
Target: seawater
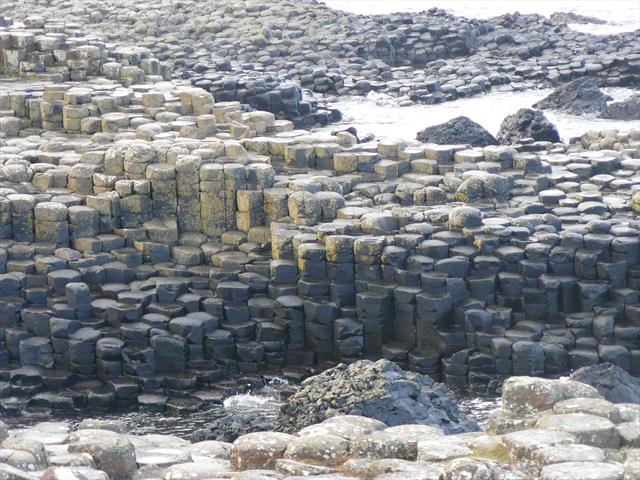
{"points": [[383, 116]]}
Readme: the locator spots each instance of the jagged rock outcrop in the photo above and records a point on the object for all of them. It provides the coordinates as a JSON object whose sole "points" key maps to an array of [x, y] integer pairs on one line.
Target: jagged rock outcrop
{"points": [[231, 426], [527, 123], [577, 97], [611, 381], [380, 390], [459, 130], [628, 109]]}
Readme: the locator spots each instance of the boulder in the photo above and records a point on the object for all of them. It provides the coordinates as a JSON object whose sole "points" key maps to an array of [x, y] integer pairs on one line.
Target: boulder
{"points": [[329, 450], [18, 458], [286, 466], [527, 123], [7, 472], [465, 217], [628, 109], [613, 383], [112, 452], [523, 396], [459, 130], [73, 473], [567, 453], [576, 97], [210, 449], [483, 186], [259, 450], [442, 449], [394, 442], [380, 390]]}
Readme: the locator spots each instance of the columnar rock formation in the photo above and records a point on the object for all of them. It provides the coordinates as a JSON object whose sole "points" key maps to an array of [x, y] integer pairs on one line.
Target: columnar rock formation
{"points": [[429, 57], [156, 236]]}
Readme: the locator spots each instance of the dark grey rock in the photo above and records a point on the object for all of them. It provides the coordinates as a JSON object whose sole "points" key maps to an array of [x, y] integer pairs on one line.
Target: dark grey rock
{"points": [[527, 123], [611, 381], [577, 97], [459, 130], [380, 390], [233, 425], [628, 109]]}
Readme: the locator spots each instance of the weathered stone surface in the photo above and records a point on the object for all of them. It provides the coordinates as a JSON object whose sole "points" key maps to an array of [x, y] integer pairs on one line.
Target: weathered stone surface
{"points": [[522, 444], [582, 471], [112, 452], [329, 450], [345, 426], [527, 395], [258, 450], [588, 429], [567, 453], [197, 471]]}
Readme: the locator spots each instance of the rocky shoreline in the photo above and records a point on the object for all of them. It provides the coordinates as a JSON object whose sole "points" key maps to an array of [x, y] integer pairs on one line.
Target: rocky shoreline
{"points": [[546, 429], [170, 226]]}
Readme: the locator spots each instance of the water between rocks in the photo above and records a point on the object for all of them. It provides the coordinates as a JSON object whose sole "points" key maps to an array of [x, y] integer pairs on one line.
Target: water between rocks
{"points": [[263, 401], [383, 116]]}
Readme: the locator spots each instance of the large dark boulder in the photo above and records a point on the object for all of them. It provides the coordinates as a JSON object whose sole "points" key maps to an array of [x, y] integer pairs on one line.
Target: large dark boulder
{"points": [[380, 390], [628, 109], [611, 381], [460, 130], [527, 123], [576, 97]]}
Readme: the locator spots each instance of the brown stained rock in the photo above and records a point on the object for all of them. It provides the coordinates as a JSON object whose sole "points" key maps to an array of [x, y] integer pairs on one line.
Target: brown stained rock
{"points": [[259, 450], [112, 452]]}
